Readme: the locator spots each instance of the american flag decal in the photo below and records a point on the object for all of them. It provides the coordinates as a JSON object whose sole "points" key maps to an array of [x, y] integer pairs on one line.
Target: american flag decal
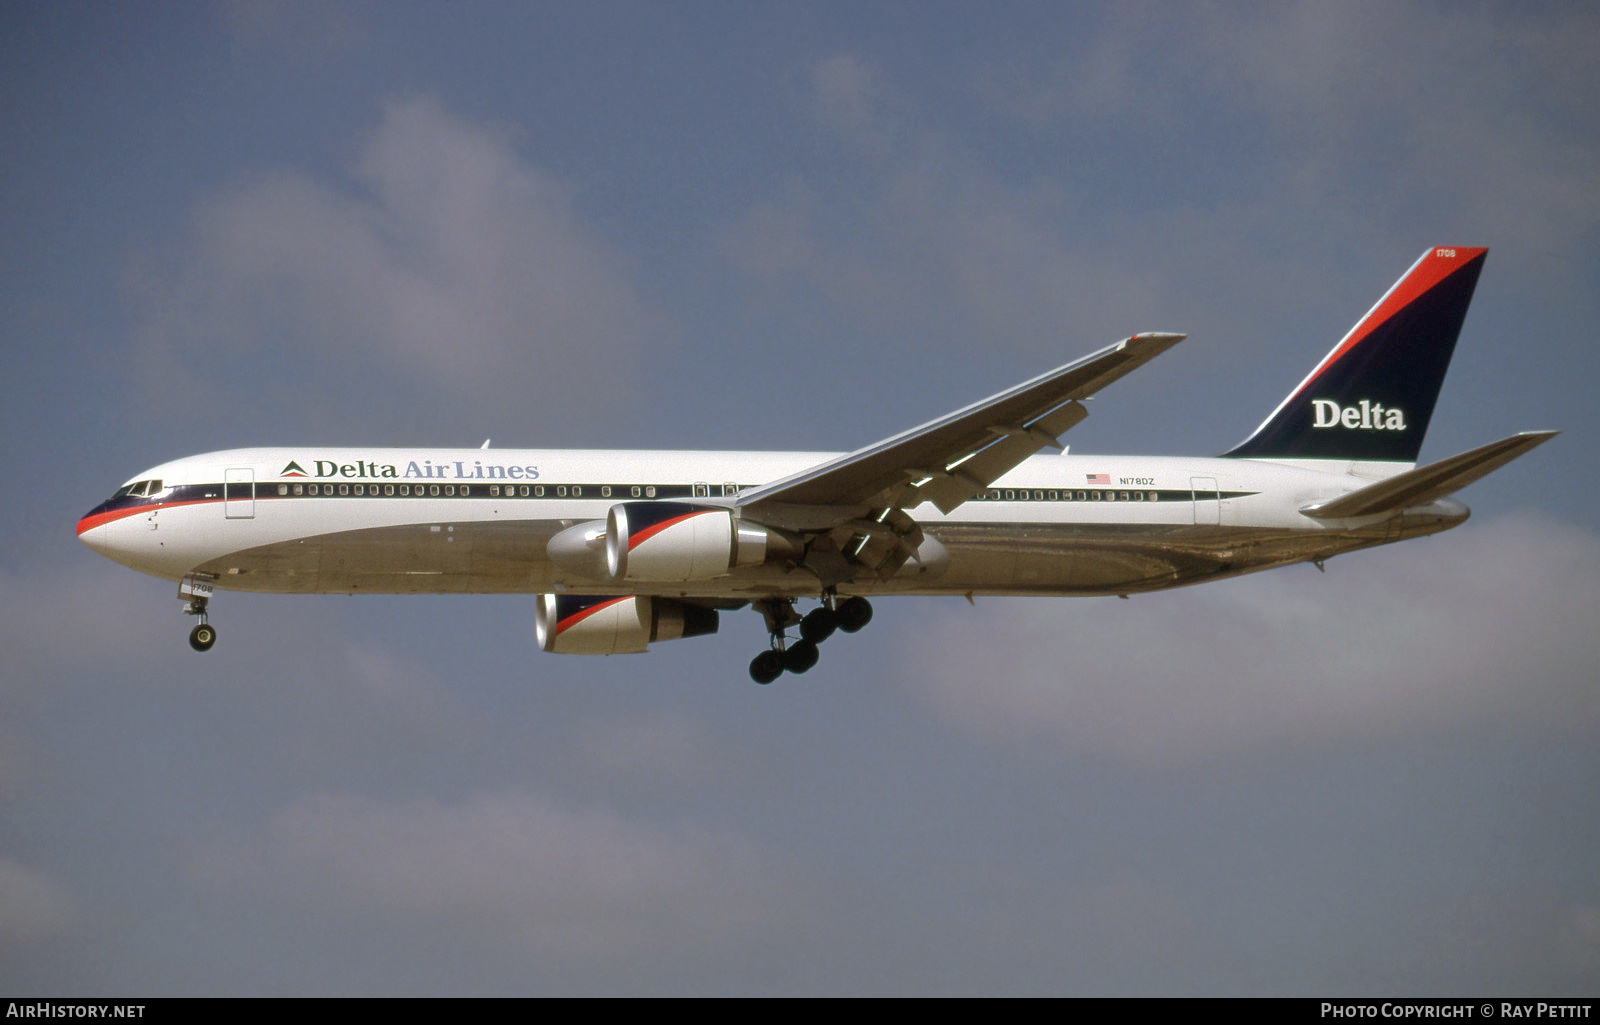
{"points": [[1099, 478]]}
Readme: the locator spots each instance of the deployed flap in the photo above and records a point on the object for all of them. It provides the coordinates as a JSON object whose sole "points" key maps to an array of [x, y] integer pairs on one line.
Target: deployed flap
{"points": [[955, 457], [1426, 483]]}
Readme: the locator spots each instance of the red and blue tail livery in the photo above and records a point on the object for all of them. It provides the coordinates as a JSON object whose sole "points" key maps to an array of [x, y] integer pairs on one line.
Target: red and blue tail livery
{"points": [[1371, 398], [627, 548]]}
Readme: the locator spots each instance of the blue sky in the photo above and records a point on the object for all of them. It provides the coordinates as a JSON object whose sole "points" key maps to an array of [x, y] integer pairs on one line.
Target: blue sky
{"points": [[792, 226]]}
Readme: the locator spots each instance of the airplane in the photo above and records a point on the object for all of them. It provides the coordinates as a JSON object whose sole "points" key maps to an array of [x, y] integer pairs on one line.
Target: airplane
{"points": [[625, 548]]}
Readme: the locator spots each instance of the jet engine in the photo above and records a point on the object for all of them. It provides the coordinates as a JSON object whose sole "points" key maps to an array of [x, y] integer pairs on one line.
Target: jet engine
{"points": [[669, 542], [570, 624]]}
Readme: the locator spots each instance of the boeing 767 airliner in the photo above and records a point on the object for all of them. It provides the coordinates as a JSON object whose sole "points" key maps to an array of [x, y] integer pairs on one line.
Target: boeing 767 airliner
{"points": [[628, 547]]}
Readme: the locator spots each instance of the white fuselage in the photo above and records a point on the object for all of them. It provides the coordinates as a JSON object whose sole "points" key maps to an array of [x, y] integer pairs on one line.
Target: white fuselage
{"points": [[480, 520]]}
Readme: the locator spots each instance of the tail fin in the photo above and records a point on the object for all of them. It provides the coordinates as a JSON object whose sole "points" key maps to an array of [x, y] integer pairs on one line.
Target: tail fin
{"points": [[1372, 396]]}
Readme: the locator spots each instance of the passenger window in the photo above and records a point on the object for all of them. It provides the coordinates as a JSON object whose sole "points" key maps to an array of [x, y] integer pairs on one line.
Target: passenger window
{"points": [[344, 489], [433, 489], [283, 489], [388, 490], [605, 491], [650, 491]]}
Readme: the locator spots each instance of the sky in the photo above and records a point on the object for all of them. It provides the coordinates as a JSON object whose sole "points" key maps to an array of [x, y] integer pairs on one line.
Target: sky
{"points": [[792, 226]]}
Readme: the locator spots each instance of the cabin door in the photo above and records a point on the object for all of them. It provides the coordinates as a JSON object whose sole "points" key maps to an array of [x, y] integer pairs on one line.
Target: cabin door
{"points": [[1207, 503], [239, 493]]}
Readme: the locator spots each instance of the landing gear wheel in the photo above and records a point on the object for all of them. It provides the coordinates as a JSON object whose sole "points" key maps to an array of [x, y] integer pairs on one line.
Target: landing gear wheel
{"points": [[766, 667], [800, 656], [854, 614], [819, 625], [202, 637]]}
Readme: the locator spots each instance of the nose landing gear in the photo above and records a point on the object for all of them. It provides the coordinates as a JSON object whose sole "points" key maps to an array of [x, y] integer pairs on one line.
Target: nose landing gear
{"points": [[196, 590], [815, 627], [202, 637]]}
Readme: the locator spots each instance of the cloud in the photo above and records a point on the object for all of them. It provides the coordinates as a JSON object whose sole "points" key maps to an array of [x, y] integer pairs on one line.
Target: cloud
{"points": [[647, 749], [912, 235], [1365, 111], [285, 30], [39, 653], [1488, 625], [441, 260], [33, 906], [559, 883], [1175, 170]]}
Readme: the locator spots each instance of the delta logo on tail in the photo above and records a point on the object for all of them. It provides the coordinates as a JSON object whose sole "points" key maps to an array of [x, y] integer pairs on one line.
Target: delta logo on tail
{"points": [[1375, 392], [1365, 415]]}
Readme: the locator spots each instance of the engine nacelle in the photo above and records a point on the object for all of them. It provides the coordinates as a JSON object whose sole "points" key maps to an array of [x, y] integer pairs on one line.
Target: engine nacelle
{"points": [[570, 624], [669, 542]]}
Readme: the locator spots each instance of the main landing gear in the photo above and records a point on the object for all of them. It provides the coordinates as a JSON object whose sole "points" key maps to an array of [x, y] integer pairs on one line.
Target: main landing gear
{"points": [[198, 592], [816, 626]]}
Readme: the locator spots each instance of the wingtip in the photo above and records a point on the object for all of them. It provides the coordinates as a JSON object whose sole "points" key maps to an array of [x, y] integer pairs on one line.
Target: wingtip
{"points": [[1157, 340]]}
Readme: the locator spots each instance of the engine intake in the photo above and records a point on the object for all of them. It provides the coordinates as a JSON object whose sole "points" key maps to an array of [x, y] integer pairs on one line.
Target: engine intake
{"points": [[569, 624]]}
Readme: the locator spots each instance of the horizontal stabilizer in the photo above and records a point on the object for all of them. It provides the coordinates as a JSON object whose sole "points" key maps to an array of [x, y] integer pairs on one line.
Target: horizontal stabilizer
{"points": [[1426, 483]]}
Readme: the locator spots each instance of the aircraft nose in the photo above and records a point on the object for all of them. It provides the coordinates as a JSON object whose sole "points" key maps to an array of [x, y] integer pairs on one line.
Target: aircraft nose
{"points": [[94, 529]]}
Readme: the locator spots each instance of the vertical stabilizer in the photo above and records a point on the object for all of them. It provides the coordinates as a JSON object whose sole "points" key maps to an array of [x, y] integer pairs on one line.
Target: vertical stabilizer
{"points": [[1371, 398]]}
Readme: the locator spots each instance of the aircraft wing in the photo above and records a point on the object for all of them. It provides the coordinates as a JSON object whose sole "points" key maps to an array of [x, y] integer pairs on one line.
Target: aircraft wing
{"points": [[1426, 483], [948, 460]]}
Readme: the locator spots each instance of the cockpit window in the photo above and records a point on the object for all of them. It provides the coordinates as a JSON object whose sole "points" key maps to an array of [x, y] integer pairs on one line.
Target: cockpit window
{"points": [[139, 489]]}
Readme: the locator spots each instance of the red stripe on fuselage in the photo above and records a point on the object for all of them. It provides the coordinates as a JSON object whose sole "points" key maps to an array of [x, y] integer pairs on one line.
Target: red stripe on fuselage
{"points": [[112, 515], [635, 540]]}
